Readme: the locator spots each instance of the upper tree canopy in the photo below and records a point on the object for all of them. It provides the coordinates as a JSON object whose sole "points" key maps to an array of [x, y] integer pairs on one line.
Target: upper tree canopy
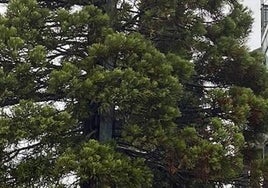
{"points": [[185, 97]]}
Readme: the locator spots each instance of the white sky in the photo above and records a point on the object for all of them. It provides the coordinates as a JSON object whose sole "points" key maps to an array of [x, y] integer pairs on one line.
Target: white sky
{"points": [[254, 40]]}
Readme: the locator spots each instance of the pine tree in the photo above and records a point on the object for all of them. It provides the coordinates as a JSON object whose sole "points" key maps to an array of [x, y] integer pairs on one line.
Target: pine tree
{"points": [[185, 98]]}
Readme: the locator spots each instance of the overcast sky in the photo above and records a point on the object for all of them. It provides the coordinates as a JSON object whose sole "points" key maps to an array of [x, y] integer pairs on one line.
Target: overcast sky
{"points": [[254, 40]]}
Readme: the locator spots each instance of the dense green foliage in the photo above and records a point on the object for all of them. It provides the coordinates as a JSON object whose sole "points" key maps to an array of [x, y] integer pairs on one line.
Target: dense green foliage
{"points": [[186, 99]]}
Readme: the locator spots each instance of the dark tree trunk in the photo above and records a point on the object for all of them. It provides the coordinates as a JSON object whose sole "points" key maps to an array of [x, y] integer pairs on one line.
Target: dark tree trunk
{"points": [[89, 184], [92, 122]]}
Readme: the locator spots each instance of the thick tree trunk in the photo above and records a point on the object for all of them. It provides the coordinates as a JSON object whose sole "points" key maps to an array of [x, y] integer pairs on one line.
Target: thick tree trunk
{"points": [[91, 123], [99, 126]]}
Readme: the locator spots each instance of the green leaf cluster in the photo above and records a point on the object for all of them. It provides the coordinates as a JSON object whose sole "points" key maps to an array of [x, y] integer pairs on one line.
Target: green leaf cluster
{"points": [[186, 99]]}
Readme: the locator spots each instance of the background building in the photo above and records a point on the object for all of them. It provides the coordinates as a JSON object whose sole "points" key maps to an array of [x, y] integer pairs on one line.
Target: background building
{"points": [[264, 27]]}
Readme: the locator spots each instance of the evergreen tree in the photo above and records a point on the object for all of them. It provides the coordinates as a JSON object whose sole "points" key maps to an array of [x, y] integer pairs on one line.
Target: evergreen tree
{"points": [[186, 100]]}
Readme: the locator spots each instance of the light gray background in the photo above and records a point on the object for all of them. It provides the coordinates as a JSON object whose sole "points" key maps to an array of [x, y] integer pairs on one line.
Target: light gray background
{"points": [[254, 40]]}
